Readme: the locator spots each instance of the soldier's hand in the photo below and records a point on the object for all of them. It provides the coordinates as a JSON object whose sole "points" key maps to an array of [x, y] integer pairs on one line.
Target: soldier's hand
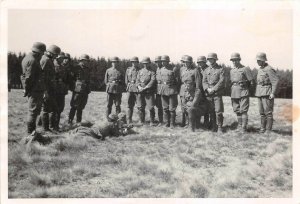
{"points": [[271, 96]]}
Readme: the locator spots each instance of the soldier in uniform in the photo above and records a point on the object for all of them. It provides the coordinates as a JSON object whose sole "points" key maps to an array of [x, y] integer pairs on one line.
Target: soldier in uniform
{"points": [[115, 85], [69, 69], [81, 89], [49, 104], [158, 87], [267, 82], [213, 85], [183, 112], [201, 61], [241, 80], [169, 81], [131, 87], [33, 81], [146, 87], [61, 88]]}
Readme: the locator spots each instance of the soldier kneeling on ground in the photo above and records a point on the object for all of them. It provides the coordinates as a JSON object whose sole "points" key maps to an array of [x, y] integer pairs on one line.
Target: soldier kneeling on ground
{"points": [[115, 126]]}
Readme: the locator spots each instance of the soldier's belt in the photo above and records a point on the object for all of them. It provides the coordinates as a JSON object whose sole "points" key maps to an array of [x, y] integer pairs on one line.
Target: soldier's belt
{"points": [[263, 84]]}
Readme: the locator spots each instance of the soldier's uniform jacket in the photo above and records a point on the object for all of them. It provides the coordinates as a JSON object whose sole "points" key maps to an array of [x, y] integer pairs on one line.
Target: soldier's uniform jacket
{"points": [[49, 71], [82, 77], [33, 78], [202, 69], [61, 79], [167, 80], [158, 78], [114, 80], [267, 81], [240, 81], [213, 77], [146, 78], [130, 79], [69, 68]]}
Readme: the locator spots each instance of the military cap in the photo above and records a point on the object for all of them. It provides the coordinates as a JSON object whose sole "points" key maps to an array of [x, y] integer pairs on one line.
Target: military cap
{"points": [[114, 59], [84, 57], [113, 117], [54, 49], [212, 56], [165, 58], [38, 47], [67, 55], [61, 55], [146, 60], [134, 59], [157, 59], [188, 59], [235, 55], [201, 59], [261, 56]]}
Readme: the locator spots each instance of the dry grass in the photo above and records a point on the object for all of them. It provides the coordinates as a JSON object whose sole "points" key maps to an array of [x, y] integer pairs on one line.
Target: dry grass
{"points": [[156, 162]]}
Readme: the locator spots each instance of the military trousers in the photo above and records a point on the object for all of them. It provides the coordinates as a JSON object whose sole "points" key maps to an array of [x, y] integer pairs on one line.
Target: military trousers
{"points": [[145, 100], [240, 105], [79, 100], [114, 98], [215, 104], [265, 106], [169, 103], [35, 101], [131, 99], [158, 102]]}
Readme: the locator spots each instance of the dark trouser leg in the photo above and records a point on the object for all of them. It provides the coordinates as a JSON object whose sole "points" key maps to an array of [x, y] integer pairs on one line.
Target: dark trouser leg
{"points": [[192, 118], [45, 121], [118, 100], [71, 114], [159, 108], [131, 102], [57, 121], [172, 119], [34, 106], [79, 115], [166, 113], [269, 114], [150, 103], [152, 116], [240, 120], [52, 119], [206, 120], [109, 104], [263, 119], [173, 102], [213, 121], [183, 113], [220, 122], [244, 107], [141, 107]]}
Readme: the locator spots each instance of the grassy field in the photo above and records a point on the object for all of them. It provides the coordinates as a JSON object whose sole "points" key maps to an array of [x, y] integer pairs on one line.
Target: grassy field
{"points": [[155, 162]]}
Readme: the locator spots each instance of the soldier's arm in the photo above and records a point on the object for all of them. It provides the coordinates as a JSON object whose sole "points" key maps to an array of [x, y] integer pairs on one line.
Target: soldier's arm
{"points": [[106, 77], [273, 79], [152, 80], [126, 77], [221, 81], [204, 81]]}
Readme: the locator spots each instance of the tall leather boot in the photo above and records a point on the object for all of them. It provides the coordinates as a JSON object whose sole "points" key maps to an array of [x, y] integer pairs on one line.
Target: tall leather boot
{"points": [[197, 119], [167, 118], [71, 115], [192, 122], [220, 123], [172, 119], [244, 122], [206, 121], [118, 109], [213, 122], [160, 117], [52, 119], [79, 116], [30, 127], [141, 117], [183, 119], [240, 122], [57, 121], [45, 121], [108, 112], [129, 113], [263, 123], [269, 124], [152, 117]]}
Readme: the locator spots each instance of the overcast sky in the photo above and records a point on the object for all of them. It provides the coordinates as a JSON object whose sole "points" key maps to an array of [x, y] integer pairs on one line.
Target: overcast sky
{"points": [[139, 32]]}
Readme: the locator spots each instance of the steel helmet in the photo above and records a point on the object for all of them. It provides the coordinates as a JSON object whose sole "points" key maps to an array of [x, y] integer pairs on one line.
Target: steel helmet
{"points": [[84, 57], [157, 59], [61, 55], [114, 59], [146, 60], [67, 55], [201, 59], [113, 117], [38, 47], [235, 55], [261, 56], [54, 49], [165, 58], [212, 56], [188, 59], [183, 58], [134, 59]]}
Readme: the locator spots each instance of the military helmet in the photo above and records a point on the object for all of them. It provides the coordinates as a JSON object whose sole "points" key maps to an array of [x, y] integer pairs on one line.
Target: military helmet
{"points": [[114, 59], [84, 57], [113, 117], [146, 60], [157, 59], [38, 47], [67, 55], [188, 59], [165, 58], [54, 49], [61, 55], [212, 56], [183, 58], [261, 56], [235, 55], [134, 59], [201, 59]]}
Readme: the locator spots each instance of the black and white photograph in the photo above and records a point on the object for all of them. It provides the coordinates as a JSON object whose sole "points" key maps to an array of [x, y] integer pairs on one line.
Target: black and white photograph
{"points": [[148, 99]]}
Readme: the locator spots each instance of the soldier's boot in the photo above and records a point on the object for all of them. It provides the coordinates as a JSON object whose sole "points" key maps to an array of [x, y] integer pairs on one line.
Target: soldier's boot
{"points": [[71, 115], [152, 117], [30, 127], [240, 122], [118, 109], [172, 119], [192, 123], [160, 118], [52, 120], [197, 121], [269, 124], [39, 120], [167, 119], [214, 126], [78, 116], [108, 112], [183, 119], [220, 123], [206, 121], [244, 122], [263, 123], [45, 121], [129, 113], [141, 117], [57, 121]]}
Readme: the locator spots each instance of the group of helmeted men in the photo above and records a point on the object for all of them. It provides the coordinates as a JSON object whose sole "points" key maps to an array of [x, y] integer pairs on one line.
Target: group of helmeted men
{"points": [[48, 74]]}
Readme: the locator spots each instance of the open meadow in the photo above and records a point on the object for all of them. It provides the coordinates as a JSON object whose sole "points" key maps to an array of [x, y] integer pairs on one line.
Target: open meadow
{"points": [[154, 162]]}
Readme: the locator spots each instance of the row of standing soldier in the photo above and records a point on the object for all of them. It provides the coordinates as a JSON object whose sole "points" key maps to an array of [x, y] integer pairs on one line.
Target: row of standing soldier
{"points": [[48, 74]]}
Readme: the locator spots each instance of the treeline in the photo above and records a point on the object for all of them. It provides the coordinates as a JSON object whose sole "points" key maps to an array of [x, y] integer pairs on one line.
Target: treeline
{"points": [[99, 65]]}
